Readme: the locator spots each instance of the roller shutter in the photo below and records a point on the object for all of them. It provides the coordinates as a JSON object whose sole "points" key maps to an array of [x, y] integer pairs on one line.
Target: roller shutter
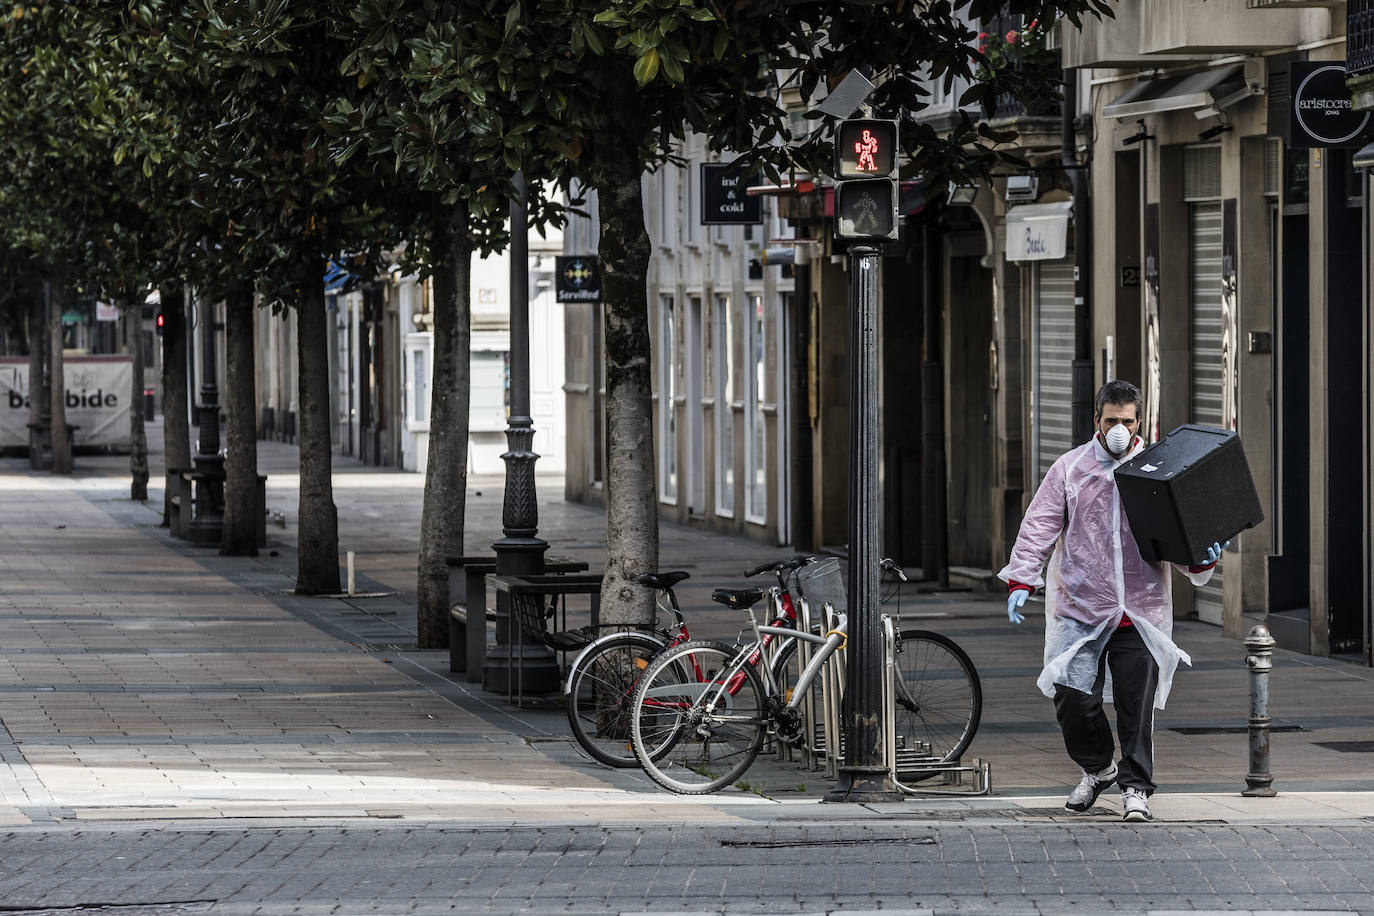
{"points": [[1052, 356], [1205, 335]]}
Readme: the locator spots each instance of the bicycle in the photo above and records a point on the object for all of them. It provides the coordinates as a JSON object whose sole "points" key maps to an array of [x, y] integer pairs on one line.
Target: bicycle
{"points": [[700, 713], [601, 680]]}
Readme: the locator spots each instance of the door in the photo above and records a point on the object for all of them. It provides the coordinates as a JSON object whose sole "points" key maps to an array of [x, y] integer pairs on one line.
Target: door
{"points": [[968, 399]]}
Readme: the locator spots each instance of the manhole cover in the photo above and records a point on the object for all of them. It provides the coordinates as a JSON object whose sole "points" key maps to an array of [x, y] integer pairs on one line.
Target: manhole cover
{"points": [[855, 841], [1228, 729], [1347, 747]]}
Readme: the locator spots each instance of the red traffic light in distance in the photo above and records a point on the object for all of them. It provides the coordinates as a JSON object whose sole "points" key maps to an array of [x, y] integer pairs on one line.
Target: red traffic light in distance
{"points": [[866, 148], [160, 321]]}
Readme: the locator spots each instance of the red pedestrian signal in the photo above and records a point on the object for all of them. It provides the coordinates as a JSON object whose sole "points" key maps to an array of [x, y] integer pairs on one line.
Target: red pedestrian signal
{"points": [[866, 148], [158, 320]]}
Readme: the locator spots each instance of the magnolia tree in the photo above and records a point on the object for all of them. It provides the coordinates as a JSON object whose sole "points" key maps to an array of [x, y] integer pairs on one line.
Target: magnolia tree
{"points": [[615, 83]]}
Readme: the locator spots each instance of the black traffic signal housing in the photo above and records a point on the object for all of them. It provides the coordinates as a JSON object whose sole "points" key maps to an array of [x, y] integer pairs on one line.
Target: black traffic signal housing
{"points": [[866, 152]]}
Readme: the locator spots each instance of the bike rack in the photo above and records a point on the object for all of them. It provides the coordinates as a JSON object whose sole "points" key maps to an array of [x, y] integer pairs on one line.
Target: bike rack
{"points": [[917, 760]]}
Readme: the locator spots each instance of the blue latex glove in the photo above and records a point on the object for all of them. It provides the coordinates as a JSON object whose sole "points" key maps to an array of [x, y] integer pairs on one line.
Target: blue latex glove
{"points": [[1214, 552], [1015, 601]]}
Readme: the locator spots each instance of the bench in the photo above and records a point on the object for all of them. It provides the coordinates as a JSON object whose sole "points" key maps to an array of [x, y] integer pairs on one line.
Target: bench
{"points": [[466, 582], [196, 506], [539, 614]]}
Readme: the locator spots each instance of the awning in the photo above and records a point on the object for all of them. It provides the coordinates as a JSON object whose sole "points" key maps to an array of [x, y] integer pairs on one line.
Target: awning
{"points": [[1038, 232], [1364, 157], [1178, 93], [338, 280]]}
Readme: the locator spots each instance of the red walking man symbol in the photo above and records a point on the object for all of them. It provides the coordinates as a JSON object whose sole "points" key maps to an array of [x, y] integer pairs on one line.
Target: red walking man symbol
{"points": [[866, 149]]}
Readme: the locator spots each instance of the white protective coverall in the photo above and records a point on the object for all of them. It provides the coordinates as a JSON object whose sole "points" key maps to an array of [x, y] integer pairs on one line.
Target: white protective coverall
{"points": [[1096, 573]]}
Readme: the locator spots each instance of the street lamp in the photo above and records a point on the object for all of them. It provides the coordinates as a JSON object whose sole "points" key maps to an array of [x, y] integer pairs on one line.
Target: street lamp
{"points": [[962, 195], [520, 552]]}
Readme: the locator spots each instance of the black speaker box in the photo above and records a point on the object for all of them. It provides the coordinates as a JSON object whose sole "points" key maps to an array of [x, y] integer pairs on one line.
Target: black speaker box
{"points": [[1187, 491]]}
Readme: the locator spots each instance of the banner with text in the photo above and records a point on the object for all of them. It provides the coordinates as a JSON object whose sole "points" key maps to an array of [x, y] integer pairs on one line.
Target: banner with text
{"points": [[97, 397]]}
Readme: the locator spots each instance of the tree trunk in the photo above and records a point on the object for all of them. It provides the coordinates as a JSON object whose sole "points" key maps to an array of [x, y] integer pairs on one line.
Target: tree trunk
{"points": [[138, 436], [317, 561], [631, 495], [176, 421], [241, 434], [441, 520], [38, 355], [61, 442]]}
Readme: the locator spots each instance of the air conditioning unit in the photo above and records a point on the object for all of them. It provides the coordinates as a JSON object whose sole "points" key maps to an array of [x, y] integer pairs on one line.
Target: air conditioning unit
{"points": [[1022, 187]]}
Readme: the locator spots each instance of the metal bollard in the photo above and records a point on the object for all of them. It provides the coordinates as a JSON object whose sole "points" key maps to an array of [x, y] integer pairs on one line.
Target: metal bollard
{"points": [[1260, 645]]}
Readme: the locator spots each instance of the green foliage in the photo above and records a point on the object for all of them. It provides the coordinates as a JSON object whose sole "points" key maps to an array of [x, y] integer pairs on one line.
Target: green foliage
{"points": [[142, 140]]}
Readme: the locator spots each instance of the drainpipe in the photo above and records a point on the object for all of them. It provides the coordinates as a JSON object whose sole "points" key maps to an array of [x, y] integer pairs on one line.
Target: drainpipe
{"points": [[1081, 396]]}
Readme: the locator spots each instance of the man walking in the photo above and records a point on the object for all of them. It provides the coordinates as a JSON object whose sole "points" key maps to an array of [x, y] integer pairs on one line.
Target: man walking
{"points": [[1108, 612]]}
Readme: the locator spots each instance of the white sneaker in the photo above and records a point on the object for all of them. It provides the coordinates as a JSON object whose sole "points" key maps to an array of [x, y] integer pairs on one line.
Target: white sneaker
{"points": [[1133, 805], [1089, 787]]}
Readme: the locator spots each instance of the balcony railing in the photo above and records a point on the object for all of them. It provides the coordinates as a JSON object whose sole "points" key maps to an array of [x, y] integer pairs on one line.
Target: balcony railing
{"points": [[1006, 105], [1030, 59], [1359, 38]]}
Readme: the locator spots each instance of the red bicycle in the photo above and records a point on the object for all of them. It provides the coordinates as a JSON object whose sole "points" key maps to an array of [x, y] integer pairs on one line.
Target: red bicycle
{"points": [[602, 679]]}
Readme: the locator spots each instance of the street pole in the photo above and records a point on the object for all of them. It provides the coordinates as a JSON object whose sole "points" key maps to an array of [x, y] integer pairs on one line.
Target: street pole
{"points": [[208, 461], [863, 777], [521, 551]]}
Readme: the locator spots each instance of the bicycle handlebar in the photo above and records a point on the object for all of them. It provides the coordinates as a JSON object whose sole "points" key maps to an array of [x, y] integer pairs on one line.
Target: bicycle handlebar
{"points": [[793, 562], [889, 565]]}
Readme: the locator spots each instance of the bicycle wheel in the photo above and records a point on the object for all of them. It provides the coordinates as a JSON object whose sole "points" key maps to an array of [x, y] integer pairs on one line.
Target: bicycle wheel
{"points": [[600, 686], [939, 699], [697, 721]]}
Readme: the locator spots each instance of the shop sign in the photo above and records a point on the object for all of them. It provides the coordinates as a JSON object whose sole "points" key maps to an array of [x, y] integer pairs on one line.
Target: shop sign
{"points": [[1320, 113], [1038, 232], [577, 278], [723, 201], [96, 394]]}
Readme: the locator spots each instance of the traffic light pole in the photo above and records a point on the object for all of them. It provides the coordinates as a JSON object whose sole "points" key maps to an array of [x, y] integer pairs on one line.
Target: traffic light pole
{"points": [[863, 775]]}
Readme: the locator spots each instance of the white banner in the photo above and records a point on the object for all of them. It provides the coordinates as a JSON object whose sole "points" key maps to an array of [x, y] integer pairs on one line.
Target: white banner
{"points": [[98, 389]]}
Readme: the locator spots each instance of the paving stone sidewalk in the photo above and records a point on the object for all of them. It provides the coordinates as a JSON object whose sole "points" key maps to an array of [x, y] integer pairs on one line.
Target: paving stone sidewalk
{"points": [[141, 678]]}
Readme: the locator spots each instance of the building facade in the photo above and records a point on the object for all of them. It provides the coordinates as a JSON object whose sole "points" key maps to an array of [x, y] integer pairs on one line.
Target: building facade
{"points": [[381, 365], [1227, 280], [722, 316]]}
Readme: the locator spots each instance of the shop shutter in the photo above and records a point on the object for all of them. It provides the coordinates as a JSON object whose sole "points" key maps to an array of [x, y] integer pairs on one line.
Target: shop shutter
{"points": [[1205, 335], [1053, 364]]}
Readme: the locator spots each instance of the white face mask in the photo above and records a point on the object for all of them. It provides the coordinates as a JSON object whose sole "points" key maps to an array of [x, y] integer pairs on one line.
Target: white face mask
{"points": [[1118, 438]]}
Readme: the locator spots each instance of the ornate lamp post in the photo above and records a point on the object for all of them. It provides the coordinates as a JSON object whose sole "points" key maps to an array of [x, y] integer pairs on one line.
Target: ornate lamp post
{"points": [[521, 551]]}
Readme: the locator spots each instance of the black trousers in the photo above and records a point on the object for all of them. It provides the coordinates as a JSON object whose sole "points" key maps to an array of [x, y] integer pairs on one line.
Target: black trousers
{"points": [[1087, 733]]}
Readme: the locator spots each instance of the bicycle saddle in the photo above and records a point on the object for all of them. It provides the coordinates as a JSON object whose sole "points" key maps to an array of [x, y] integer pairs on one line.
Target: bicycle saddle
{"points": [[737, 598], [662, 580]]}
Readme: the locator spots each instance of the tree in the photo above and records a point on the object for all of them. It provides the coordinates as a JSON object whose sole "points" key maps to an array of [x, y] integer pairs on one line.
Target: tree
{"points": [[83, 211], [617, 83], [253, 81], [435, 116]]}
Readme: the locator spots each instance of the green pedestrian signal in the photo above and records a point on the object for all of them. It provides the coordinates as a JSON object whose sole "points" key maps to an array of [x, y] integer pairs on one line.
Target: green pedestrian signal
{"points": [[866, 209]]}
